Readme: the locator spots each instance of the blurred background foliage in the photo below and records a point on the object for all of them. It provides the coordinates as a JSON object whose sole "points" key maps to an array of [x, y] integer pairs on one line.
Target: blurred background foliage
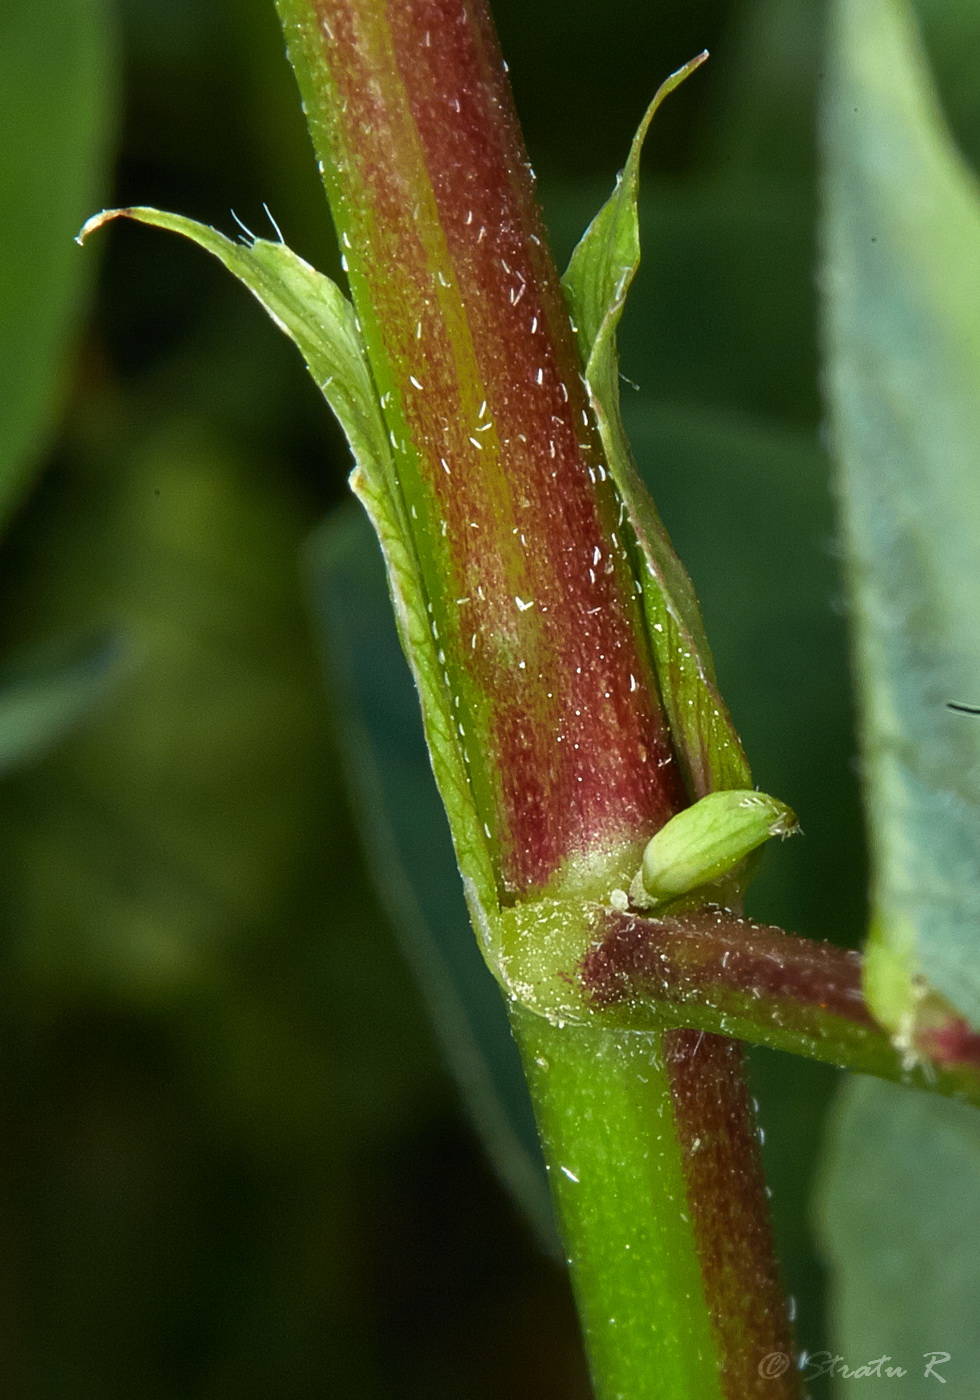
{"points": [[232, 1160]]}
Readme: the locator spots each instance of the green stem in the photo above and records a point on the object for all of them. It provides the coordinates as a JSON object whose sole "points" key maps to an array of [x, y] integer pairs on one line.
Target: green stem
{"points": [[709, 970], [661, 1205], [514, 526]]}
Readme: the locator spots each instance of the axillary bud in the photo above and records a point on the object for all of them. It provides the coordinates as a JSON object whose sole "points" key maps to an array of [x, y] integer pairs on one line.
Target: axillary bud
{"points": [[706, 841]]}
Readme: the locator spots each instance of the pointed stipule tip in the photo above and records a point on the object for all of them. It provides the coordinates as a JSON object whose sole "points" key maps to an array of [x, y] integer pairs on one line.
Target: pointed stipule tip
{"points": [[96, 221]]}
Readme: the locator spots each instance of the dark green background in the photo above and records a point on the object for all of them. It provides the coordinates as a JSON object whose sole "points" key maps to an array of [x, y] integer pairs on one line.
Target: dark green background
{"points": [[232, 1162]]}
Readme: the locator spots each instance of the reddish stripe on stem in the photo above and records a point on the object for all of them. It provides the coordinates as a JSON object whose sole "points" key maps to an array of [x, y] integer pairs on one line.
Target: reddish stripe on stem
{"points": [[710, 952], [730, 1213], [528, 579]]}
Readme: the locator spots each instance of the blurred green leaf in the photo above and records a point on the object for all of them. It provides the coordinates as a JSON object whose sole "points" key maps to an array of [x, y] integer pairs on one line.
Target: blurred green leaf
{"points": [[57, 105], [45, 692], [764, 128], [903, 338], [901, 1185], [897, 1209], [178, 814], [408, 841], [596, 284], [199, 979], [951, 30]]}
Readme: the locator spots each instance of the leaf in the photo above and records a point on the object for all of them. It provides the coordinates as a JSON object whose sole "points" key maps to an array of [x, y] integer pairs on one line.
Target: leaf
{"points": [[596, 283], [951, 31], [763, 129], [897, 1209], [314, 313], [903, 341], [56, 110], [44, 693], [409, 844]]}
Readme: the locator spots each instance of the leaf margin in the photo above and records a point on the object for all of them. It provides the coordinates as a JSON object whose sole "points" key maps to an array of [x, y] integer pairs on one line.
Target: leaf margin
{"points": [[596, 283], [321, 322]]}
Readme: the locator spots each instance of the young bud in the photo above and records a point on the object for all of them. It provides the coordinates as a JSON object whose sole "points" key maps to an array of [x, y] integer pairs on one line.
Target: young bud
{"points": [[706, 841]]}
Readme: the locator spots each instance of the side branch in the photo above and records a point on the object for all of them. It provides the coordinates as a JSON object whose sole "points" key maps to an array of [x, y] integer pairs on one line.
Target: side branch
{"points": [[712, 971]]}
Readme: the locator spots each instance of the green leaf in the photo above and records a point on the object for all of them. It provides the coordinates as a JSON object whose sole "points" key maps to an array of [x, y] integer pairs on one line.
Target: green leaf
{"points": [[902, 277], [951, 32], [410, 850], [596, 283], [56, 109], [897, 1210], [44, 693], [314, 313]]}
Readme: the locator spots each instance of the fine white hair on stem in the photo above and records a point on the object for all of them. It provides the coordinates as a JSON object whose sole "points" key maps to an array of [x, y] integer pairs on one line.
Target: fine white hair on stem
{"points": [[268, 215]]}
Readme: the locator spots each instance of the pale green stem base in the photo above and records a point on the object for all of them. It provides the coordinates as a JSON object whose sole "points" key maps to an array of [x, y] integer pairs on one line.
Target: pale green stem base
{"points": [[606, 1119]]}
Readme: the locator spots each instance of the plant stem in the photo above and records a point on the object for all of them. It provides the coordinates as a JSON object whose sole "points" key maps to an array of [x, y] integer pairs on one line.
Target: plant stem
{"points": [[511, 514], [661, 1203], [512, 520], [710, 970]]}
